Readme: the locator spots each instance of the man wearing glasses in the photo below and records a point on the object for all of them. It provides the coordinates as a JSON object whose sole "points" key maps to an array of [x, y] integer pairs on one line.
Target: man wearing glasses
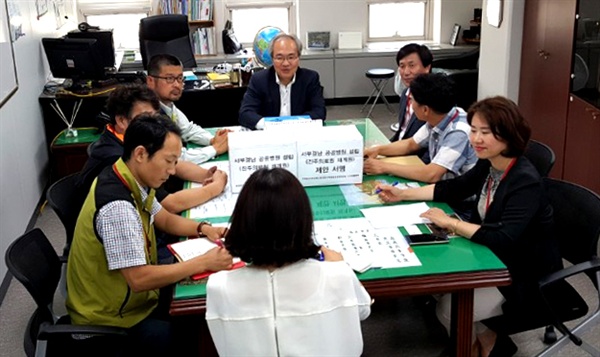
{"points": [[284, 89], [165, 78]]}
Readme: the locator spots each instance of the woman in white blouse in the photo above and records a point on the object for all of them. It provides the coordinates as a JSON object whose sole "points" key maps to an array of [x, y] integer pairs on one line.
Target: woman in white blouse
{"points": [[286, 301]]}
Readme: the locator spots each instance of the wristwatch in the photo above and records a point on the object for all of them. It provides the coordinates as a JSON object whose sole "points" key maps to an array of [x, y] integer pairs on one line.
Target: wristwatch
{"points": [[199, 228]]}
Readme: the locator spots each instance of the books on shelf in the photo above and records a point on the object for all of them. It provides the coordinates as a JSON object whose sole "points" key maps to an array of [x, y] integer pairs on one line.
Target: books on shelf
{"points": [[194, 9], [191, 248], [203, 40]]}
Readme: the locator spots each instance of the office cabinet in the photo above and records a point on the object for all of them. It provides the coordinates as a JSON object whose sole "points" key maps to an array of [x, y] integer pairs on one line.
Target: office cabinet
{"points": [[545, 71], [559, 89], [324, 66], [582, 162]]}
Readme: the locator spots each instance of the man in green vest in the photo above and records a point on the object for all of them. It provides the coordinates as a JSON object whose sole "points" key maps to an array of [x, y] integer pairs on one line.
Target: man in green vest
{"points": [[112, 277]]}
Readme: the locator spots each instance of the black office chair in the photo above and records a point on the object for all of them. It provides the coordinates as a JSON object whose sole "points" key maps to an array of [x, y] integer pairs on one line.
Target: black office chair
{"points": [[31, 259], [66, 200], [169, 34], [465, 85], [577, 225], [541, 156], [466, 60], [464, 72]]}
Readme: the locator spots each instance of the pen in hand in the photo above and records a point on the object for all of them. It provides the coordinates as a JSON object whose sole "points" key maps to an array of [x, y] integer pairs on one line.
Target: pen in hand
{"points": [[378, 190]]}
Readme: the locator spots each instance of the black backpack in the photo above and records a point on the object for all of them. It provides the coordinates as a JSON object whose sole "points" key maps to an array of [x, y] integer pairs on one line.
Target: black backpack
{"points": [[230, 43]]}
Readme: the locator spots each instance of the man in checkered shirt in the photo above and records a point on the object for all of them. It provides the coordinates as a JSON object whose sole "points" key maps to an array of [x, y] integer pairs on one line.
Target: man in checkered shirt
{"points": [[113, 277]]}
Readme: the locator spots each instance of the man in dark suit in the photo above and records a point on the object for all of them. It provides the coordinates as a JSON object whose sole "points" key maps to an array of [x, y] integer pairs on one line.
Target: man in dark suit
{"points": [[284, 89], [413, 59]]}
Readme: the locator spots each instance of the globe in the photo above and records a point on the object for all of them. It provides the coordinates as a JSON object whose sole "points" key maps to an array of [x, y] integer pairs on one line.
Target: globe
{"points": [[263, 38]]}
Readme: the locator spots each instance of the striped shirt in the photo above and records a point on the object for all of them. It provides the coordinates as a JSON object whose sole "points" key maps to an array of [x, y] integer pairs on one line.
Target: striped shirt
{"points": [[448, 143]]}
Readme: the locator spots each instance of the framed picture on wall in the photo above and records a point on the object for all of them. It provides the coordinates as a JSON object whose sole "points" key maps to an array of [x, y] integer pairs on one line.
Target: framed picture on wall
{"points": [[454, 36], [8, 70], [318, 40], [42, 7]]}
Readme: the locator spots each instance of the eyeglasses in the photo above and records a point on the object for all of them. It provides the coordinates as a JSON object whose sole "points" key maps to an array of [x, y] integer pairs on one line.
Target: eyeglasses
{"points": [[281, 59], [170, 79]]}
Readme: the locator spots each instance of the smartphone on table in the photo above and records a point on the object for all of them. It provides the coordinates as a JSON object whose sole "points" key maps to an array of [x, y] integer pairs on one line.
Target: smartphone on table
{"points": [[427, 238]]}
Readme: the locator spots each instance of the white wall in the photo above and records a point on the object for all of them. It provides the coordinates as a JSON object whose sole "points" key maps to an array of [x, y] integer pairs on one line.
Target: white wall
{"points": [[455, 12], [23, 153], [352, 15], [500, 58]]}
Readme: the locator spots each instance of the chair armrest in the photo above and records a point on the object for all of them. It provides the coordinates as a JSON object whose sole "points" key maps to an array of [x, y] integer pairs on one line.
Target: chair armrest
{"points": [[590, 265], [46, 331]]}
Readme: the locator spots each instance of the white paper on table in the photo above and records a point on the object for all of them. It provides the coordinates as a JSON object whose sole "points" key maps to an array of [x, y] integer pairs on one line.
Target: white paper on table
{"points": [[412, 229], [220, 206], [396, 216], [356, 238]]}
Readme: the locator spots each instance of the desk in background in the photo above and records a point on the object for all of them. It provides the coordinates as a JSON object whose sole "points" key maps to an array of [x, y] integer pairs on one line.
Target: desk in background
{"points": [[207, 108], [458, 267], [68, 155]]}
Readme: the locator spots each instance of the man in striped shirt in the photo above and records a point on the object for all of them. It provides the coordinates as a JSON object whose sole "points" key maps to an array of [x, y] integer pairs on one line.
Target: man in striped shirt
{"points": [[445, 135]]}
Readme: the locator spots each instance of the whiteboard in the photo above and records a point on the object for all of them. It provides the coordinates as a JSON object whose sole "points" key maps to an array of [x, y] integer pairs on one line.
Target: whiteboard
{"points": [[8, 71]]}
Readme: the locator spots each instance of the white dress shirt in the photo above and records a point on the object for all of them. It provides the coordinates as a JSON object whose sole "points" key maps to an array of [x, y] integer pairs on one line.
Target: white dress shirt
{"points": [[192, 133]]}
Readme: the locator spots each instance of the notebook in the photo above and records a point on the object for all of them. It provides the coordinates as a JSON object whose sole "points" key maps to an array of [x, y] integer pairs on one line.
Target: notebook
{"points": [[191, 248]]}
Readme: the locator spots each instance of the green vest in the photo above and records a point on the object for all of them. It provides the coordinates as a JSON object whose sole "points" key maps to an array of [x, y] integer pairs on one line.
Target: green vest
{"points": [[96, 295]]}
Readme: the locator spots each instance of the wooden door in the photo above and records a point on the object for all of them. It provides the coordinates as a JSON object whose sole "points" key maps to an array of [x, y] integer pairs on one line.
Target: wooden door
{"points": [[582, 159], [545, 71]]}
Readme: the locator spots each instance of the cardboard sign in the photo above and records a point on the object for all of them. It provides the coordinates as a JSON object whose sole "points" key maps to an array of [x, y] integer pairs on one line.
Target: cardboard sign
{"points": [[332, 155], [253, 150]]}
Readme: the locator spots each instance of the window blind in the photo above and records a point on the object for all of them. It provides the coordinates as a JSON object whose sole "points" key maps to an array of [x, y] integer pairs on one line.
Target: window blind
{"points": [[106, 7]]}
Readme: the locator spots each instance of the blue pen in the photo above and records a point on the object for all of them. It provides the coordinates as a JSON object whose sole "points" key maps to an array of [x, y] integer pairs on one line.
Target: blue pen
{"points": [[320, 256], [378, 190]]}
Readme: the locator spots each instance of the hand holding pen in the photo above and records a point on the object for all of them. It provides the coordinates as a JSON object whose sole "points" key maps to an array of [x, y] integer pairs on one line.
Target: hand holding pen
{"points": [[326, 254], [389, 193], [219, 241], [214, 233], [378, 189]]}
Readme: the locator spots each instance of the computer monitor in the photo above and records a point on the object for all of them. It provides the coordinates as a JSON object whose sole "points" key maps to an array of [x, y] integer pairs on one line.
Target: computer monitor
{"points": [[105, 44], [74, 58]]}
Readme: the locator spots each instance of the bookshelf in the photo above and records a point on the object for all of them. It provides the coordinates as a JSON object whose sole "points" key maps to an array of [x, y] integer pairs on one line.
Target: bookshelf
{"points": [[201, 23]]}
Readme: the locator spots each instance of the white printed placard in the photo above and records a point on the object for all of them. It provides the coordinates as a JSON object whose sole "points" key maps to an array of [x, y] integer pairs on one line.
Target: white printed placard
{"points": [[331, 155], [298, 124], [253, 150]]}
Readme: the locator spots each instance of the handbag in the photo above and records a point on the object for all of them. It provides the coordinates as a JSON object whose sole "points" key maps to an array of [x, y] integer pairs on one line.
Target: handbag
{"points": [[230, 43]]}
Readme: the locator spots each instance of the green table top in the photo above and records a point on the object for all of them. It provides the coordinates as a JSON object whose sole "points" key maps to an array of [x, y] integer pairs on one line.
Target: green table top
{"points": [[84, 136], [328, 202]]}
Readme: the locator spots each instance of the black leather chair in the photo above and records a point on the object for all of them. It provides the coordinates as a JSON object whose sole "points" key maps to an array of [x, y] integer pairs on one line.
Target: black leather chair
{"points": [[169, 34], [463, 70], [467, 60], [32, 260], [577, 226], [66, 200], [541, 156]]}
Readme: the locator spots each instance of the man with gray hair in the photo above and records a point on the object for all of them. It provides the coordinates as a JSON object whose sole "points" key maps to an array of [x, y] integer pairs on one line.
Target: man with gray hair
{"points": [[284, 88]]}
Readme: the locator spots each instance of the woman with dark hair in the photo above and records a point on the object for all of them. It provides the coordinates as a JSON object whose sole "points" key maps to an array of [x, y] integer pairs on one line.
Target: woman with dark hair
{"points": [[512, 217], [286, 301]]}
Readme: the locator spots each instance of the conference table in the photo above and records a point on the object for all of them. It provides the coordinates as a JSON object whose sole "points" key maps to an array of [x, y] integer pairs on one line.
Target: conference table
{"points": [[457, 268]]}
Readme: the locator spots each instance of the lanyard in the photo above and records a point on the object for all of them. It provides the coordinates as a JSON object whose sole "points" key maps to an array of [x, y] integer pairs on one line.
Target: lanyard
{"points": [[489, 183], [453, 117], [434, 148], [110, 128]]}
